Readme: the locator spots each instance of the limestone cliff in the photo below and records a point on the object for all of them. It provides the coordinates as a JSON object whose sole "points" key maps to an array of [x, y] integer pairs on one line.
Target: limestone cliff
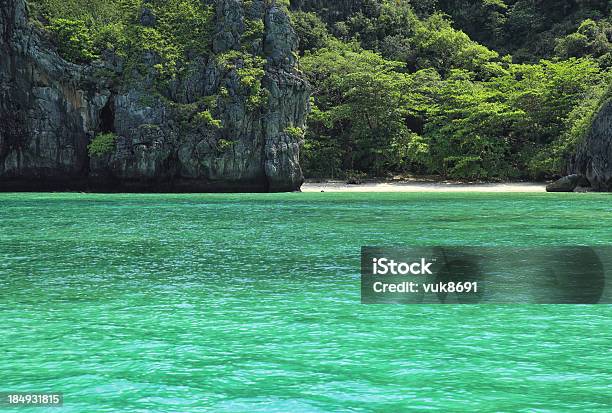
{"points": [[52, 109], [593, 159]]}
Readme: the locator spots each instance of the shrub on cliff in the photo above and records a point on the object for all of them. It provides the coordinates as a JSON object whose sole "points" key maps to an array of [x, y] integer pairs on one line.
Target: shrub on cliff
{"points": [[74, 39], [85, 28], [103, 144]]}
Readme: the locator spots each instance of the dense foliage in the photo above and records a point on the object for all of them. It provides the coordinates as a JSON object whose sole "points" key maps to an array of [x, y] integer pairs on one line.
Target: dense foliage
{"points": [[468, 89], [85, 29], [400, 88], [103, 144]]}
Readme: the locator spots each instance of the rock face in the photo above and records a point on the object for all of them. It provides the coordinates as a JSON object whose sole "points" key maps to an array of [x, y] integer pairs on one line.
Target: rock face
{"points": [[51, 110], [571, 183], [594, 156]]}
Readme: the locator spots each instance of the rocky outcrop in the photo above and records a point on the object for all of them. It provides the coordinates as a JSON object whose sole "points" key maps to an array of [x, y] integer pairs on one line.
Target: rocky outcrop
{"points": [[51, 110], [571, 183], [47, 115], [593, 158]]}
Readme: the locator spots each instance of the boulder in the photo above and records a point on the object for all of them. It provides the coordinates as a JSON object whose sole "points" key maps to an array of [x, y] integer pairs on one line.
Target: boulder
{"points": [[593, 158], [568, 184]]}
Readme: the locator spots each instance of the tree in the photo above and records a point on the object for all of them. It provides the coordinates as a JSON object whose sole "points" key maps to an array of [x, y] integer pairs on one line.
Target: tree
{"points": [[310, 29], [470, 130], [361, 103]]}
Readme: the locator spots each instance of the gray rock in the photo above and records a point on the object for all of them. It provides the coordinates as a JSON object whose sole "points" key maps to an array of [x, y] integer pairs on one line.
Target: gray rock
{"points": [[229, 25], [147, 17], [280, 40], [594, 156], [51, 110], [568, 184], [47, 114], [583, 189]]}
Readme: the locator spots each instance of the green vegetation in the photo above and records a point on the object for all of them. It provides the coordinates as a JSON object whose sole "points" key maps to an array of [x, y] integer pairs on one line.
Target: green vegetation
{"points": [[399, 88], [207, 118], [103, 144], [75, 40], [528, 30], [468, 89], [296, 133], [173, 30], [224, 145]]}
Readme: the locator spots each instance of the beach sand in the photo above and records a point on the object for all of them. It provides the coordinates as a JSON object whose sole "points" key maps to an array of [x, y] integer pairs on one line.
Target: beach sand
{"points": [[414, 186]]}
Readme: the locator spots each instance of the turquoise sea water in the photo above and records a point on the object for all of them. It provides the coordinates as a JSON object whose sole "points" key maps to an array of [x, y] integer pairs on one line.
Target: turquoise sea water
{"points": [[246, 303]]}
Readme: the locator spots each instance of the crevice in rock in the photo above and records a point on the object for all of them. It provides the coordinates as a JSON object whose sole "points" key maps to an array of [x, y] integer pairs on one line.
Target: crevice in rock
{"points": [[107, 117]]}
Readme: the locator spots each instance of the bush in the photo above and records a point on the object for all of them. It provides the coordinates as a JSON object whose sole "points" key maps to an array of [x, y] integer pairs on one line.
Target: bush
{"points": [[103, 144], [295, 133], [207, 119], [74, 40], [310, 29], [224, 145], [111, 37], [355, 177]]}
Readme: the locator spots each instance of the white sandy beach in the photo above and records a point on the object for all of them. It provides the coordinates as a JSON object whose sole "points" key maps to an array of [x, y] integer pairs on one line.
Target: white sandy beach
{"points": [[414, 186]]}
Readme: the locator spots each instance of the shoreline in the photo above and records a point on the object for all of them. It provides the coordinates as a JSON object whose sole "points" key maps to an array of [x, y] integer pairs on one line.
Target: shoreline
{"points": [[423, 186]]}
